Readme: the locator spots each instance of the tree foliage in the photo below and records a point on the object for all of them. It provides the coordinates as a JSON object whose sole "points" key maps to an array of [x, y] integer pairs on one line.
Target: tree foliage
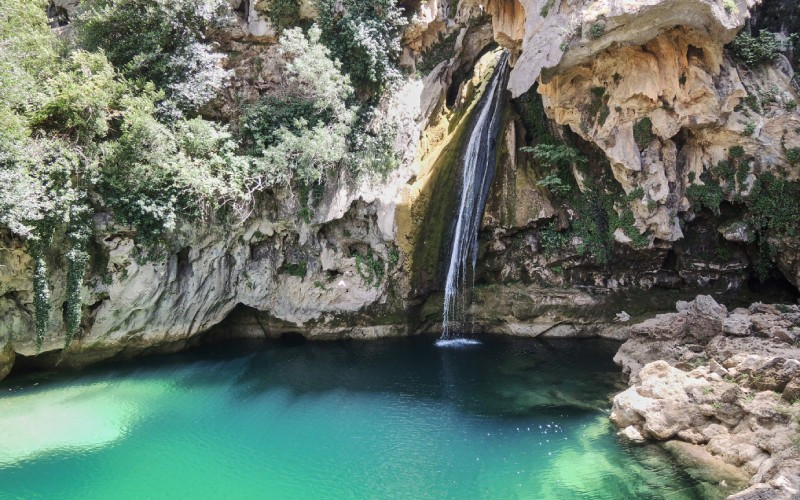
{"points": [[365, 36], [160, 41]]}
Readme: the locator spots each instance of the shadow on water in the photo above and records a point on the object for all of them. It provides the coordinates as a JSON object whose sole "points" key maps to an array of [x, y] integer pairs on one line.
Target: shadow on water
{"points": [[500, 377]]}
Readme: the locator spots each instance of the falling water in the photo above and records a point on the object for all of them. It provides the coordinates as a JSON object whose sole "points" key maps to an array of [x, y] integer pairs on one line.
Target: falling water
{"points": [[476, 177]]}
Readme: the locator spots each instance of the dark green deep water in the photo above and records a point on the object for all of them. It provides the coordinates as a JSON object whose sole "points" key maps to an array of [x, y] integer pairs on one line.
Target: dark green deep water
{"points": [[401, 418]]}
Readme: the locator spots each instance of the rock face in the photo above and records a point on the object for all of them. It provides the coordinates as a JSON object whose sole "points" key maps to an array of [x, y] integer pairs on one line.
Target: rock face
{"points": [[297, 272], [650, 85], [687, 95], [598, 70], [724, 399], [560, 35]]}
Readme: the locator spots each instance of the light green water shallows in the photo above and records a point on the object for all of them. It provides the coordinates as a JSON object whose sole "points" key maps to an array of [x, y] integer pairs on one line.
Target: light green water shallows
{"points": [[384, 419]]}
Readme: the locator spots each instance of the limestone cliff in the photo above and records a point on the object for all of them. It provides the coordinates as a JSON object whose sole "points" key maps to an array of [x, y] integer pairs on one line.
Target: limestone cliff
{"points": [[645, 90]]}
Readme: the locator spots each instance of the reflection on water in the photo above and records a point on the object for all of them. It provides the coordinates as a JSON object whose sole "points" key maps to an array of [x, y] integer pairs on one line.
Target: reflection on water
{"points": [[508, 418]]}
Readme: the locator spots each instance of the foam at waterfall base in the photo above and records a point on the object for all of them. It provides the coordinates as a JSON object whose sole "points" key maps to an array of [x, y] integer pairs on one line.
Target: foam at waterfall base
{"points": [[456, 342]]}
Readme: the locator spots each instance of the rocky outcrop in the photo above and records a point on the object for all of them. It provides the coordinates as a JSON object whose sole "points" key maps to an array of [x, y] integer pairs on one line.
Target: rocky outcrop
{"points": [[720, 388], [560, 35], [667, 111], [299, 272]]}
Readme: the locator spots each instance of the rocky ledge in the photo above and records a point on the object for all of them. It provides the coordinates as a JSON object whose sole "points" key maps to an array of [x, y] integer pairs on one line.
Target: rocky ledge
{"points": [[721, 389]]}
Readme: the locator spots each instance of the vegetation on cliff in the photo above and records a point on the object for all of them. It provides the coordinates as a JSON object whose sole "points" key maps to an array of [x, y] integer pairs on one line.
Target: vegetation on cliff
{"points": [[118, 117], [365, 36]]}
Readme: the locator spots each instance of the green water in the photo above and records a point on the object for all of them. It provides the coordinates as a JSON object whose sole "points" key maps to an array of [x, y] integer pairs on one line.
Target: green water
{"points": [[383, 419]]}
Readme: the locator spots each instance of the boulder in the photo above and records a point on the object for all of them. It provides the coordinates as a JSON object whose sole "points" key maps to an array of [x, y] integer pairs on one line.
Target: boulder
{"points": [[738, 325], [775, 374], [737, 231], [792, 390], [632, 433]]}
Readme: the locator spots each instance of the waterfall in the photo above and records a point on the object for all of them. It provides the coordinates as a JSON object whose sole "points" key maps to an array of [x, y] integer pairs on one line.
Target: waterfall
{"points": [[476, 177]]}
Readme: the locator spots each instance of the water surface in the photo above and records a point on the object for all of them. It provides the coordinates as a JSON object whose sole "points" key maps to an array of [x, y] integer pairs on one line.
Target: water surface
{"points": [[505, 419]]}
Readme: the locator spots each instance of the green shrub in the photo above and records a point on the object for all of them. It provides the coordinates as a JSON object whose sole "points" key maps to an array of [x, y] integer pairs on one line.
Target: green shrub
{"points": [[643, 132], [77, 257], [158, 41], [793, 156], [370, 268], [557, 159], [596, 213], [597, 30], [307, 156], [28, 56], [314, 74], [742, 172], [773, 211], [314, 131], [752, 51], [262, 120], [626, 221], [768, 96], [531, 110], [365, 37], [372, 147], [597, 94], [593, 225], [442, 50], [139, 177], [556, 155], [749, 128], [309, 196], [598, 106], [298, 269], [636, 193], [394, 257], [707, 195], [39, 187], [552, 240], [752, 102], [80, 98], [555, 185], [282, 14], [299, 150], [153, 175], [723, 169]]}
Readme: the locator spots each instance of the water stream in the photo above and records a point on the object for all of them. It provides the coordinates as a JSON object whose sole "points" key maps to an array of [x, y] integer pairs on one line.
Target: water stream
{"points": [[476, 177]]}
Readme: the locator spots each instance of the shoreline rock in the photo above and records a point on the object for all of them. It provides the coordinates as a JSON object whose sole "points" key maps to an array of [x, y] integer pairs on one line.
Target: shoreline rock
{"points": [[720, 389]]}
